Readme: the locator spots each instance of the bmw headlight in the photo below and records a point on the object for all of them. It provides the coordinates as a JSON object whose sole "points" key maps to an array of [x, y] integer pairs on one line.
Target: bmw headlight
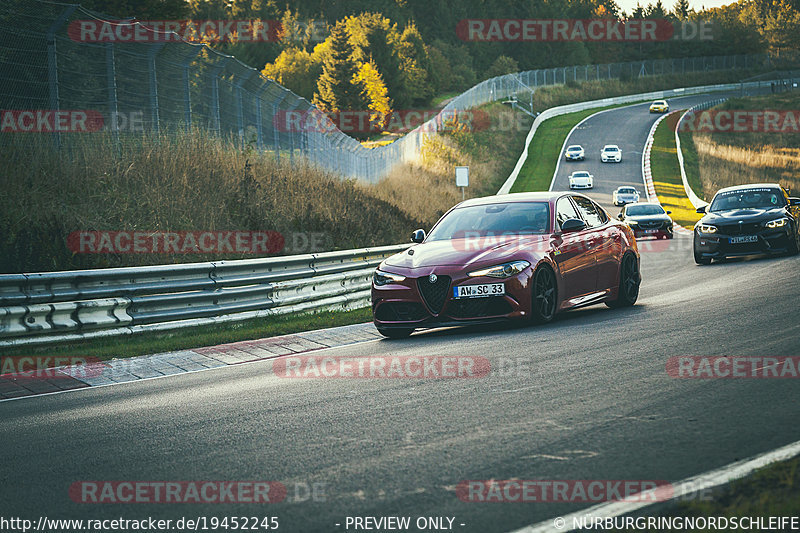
{"points": [[380, 278], [501, 271], [705, 228], [779, 223]]}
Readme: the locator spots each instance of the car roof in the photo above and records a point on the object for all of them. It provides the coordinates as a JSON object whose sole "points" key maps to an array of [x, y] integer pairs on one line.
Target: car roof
{"points": [[626, 187], [571, 146], [545, 196], [634, 204], [611, 146], [751, 186], [659, 101]]}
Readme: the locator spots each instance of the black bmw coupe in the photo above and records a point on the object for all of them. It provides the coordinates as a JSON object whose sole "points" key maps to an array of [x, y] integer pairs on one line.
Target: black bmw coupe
{"points": [[745, 220]]}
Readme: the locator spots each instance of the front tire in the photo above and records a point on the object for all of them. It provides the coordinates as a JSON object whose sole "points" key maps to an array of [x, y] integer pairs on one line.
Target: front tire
{"points": [[544, 295], [395, 333], [629, 281], [698, 257], [794, 244]]}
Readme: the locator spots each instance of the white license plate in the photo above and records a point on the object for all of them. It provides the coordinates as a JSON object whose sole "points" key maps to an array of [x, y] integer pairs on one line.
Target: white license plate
{"points": [[479, 291], [651, 231], [744, 238]]}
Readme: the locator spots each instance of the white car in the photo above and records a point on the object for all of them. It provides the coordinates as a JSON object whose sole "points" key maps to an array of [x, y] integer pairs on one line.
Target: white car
{"points": [[574, 153], [610, 154], [581, 179], [625, 195]]}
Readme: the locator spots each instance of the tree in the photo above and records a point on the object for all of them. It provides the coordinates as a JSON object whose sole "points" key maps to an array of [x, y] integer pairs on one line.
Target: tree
{"points": [[296, 70], [682, 9], [415, 66], [502, 65], [335, 88], [374, 92]]}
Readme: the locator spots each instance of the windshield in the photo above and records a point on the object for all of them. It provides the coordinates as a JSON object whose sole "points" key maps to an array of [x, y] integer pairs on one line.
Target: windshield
{"points": [[493, 219], [580, 174], [627, 191], [644, 210], [763, 197], [610, 148], [574, 149]]}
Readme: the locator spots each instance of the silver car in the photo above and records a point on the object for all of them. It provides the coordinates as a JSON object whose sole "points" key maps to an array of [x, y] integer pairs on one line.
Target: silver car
{"points": [[625, 195]]}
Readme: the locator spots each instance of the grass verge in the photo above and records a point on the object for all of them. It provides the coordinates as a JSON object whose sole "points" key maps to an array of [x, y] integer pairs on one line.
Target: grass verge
{"points": [[184, 339], [771, 491], [667, 173]]}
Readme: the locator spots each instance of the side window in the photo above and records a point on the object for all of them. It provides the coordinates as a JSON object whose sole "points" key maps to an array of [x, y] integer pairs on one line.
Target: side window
{"points": [[601, 213], [590, 212], [565, 210]]}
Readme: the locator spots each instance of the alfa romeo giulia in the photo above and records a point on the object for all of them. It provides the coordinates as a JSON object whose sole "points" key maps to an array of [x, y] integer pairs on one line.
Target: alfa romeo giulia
{"points": [[524, 256]]}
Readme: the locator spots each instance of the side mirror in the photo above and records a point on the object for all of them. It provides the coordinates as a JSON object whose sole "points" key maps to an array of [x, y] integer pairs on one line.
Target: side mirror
{"points": [[669, 212], [572, 225], [621, 216], [794, 201], [702, 209], [418, 236]]}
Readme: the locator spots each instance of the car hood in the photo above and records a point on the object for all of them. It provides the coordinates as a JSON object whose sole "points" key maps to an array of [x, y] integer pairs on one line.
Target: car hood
{"points": [[626, 194], [465, 252], [580, 178], [745, 215]]}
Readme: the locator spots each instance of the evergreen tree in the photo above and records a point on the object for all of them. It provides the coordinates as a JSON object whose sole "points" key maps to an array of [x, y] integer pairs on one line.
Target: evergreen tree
{"points": [[335, 88]]}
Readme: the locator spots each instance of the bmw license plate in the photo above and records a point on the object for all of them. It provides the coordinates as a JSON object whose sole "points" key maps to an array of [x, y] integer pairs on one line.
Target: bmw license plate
{"points": [[479, 291], [744, 238]]}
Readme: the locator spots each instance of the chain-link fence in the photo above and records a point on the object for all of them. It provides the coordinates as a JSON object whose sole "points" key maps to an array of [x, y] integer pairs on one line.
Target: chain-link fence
{"points": [[55, 82]]}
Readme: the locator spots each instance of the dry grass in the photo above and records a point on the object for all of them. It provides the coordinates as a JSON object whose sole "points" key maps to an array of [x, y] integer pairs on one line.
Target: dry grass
{"points": [[727, 159]]}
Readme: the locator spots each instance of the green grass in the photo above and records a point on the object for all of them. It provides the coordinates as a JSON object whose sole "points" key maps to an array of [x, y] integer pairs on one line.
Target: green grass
{"points": [[545, 150], [691, 163], [771, 491], [438, 100], [187, 338], [667, 173]]}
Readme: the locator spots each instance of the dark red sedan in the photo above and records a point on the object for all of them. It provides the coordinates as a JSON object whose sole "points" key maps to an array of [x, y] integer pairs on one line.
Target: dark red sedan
{"points": [[515, 256]]}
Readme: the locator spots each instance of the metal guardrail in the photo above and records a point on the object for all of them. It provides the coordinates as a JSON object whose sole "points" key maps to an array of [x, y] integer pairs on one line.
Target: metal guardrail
{"points": [[71, 305]]}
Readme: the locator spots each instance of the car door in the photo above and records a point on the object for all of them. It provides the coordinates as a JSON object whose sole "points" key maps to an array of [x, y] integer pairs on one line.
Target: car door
{"points": [[604, 239], [574, 259]]}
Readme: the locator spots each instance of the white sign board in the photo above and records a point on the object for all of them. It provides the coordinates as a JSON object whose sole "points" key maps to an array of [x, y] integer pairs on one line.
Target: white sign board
{"points": [[462, 176]]}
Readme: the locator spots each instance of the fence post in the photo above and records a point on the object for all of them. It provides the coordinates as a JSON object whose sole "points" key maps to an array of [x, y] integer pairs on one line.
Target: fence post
{"points": [[240, 105], [275, 132], [187, 93], [52, 65], [151, 66], [111, 81], [291, 131], [217, 122]]}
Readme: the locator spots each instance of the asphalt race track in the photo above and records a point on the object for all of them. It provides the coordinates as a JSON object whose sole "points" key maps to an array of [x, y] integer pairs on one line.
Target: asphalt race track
{"points": [[585, 397]]}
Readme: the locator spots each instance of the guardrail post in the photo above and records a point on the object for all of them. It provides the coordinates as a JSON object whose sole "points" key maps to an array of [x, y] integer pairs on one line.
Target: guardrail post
{"points": [[52, 65]]}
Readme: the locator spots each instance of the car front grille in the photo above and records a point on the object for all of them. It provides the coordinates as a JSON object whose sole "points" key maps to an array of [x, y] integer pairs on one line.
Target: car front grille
{"points": [[651, 225], [478, 307], [740, 229], [400, 312], [434, 294]]}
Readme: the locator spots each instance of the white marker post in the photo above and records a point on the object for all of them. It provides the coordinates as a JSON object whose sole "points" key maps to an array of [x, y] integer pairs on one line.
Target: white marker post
{"points": [[462, 179]]}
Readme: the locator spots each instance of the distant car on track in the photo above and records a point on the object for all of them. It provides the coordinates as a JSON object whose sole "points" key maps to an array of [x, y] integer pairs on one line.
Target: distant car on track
{"points": [[610, 154], [746, 220], [625, 195], [647, 220], [574, 153], [524, 256], [581, 179], [659, 106]]}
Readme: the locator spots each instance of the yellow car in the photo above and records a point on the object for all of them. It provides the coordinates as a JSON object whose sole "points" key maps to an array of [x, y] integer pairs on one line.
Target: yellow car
{"points": [[659, 106]]}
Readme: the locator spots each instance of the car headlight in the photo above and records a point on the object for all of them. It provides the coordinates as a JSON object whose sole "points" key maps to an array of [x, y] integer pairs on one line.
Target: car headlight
{"points": [[705, 228], [380, 278], [501, 271], [779, 223]]}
